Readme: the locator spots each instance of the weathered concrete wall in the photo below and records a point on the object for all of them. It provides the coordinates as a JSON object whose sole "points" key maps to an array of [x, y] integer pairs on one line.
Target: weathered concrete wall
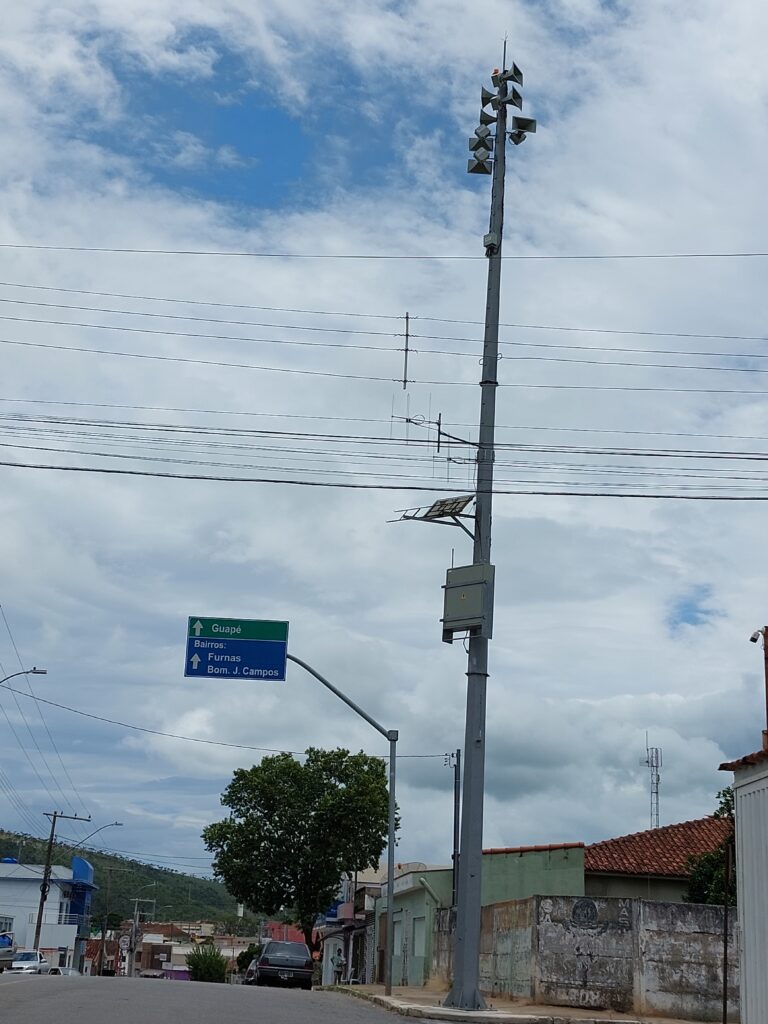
{"points": [[585, 953], [617, 954], [506, 949], [682, 958]]}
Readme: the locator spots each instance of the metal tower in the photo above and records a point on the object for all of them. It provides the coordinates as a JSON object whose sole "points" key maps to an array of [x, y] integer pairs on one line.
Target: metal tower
{"points": [[653, 763]]}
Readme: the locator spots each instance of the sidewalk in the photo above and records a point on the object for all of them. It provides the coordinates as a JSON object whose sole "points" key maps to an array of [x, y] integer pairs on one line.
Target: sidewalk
{"points": [[427, 1003]]}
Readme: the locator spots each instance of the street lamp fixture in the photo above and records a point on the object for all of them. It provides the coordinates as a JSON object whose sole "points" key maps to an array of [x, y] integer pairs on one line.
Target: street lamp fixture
{"points": [[26, 672]]}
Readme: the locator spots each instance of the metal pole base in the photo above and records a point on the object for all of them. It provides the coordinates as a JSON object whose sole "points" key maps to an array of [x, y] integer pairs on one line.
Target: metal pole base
{"points": [[465, 999]]}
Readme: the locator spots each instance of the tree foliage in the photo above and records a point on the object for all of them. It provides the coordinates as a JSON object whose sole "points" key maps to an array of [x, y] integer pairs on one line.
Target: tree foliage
{"points": [[707, 872], [206, 963], [244, 958], [295, 829]]}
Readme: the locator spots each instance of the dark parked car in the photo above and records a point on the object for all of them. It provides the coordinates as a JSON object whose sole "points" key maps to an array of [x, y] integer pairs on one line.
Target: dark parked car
{"points": [[286, 963]]}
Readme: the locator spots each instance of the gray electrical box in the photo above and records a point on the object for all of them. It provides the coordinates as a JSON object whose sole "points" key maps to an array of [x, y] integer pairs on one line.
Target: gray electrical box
{"points": [[468, 601]]}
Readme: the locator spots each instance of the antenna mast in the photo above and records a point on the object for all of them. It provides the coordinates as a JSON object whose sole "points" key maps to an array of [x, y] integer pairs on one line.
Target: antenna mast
{"points": [[653, 762]]}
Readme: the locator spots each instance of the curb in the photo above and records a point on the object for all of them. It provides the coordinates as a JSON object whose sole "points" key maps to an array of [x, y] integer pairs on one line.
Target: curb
{"points": [[445, 1013]]}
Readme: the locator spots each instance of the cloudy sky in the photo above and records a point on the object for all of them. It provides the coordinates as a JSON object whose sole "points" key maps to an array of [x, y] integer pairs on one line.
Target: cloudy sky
{"points": [[337, 132]]}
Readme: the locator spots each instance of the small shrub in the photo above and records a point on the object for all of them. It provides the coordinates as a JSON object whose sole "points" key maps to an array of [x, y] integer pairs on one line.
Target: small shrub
{"points": [[206, 963]]}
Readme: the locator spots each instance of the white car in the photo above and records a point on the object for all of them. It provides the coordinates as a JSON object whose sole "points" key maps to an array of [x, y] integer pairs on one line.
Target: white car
{"points": [[29, 961], [65, 972]]}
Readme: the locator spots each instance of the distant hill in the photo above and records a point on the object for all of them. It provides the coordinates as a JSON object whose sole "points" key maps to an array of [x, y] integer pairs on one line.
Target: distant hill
{"points": [[181, 897]]}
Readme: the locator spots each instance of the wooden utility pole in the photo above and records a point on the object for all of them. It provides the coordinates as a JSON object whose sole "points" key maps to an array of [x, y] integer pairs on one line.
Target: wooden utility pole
{"points": [[45, 885]]}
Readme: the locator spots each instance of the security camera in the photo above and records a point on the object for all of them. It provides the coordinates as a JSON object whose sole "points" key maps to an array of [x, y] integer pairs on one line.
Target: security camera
{"points": [[756, 636]]}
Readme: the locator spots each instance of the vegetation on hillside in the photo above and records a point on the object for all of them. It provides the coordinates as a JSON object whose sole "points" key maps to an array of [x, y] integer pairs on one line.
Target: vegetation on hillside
{"points": [[179, 897]]}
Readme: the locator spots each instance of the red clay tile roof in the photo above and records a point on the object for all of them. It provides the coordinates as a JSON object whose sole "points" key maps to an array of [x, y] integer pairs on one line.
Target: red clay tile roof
{"points": [[93, 947], [535, 849], [659, 851], [742, 762]]}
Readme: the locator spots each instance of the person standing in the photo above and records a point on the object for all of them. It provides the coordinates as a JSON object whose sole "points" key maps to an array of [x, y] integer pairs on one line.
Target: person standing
{"points": [[338, 962]]}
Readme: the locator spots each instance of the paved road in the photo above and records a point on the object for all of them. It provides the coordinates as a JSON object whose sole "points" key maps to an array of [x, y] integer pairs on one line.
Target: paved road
{"points": [[42, 1000]]}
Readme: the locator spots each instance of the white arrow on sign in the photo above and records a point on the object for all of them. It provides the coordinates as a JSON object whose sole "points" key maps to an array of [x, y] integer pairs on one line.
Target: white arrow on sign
{"points": [[195, 659], [198, 627]]}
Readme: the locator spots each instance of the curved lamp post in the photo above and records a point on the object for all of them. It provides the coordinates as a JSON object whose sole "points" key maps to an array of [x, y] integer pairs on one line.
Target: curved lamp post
{"points": [[111, 824], [26, 672]]}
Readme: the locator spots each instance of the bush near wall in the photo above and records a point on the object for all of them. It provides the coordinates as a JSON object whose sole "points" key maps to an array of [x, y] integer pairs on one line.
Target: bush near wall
{"points": [[207, 964]]}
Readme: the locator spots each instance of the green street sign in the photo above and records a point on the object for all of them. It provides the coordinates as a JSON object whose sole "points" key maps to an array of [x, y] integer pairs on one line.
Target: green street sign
{"points": [[236, 648], [238, 629]]}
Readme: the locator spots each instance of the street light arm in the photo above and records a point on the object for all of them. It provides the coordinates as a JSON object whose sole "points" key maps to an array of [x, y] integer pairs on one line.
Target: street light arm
{"points": [[111, 824], [386, 733], [26, 672]]}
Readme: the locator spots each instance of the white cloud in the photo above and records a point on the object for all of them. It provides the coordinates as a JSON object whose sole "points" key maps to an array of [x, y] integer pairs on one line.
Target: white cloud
{"points": [[650, 138]]}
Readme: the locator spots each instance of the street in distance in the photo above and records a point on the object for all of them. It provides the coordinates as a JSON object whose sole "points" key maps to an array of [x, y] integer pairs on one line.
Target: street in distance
{"points": [[236, 648]]}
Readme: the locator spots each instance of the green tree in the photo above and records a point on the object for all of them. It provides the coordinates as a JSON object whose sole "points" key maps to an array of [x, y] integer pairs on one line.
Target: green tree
{"points": [[295, 829], [707, 871], [206, 963], [244, 958]]}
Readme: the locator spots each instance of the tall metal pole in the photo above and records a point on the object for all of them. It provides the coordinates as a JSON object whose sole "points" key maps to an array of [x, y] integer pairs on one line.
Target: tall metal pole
{"points": [[45, 885], [392, 735], [465, 991], [390, 938]]}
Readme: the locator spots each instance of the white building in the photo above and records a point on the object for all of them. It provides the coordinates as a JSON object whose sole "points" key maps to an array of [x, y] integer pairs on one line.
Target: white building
{"points": [[66, 916], [750, 789]]}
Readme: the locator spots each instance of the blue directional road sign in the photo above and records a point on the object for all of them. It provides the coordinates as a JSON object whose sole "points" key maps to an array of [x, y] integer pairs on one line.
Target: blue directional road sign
{"points": [[236, 648]]}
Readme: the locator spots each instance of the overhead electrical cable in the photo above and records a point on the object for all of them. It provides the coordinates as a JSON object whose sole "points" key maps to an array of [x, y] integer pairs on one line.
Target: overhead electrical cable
{"points": [[413, 349], [413, 421], [19, 743], [191, 739], [255, 254], [75, 791], [375, 378], [431, 488], [385, 316]]}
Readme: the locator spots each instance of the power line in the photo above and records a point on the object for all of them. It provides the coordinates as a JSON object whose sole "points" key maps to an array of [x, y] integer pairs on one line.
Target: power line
{"points": [[380, 316], [388, 380], [370, 487], [21, 746], [253, 254], [360, 419], [201, 302], [190, 739], [42, 719], [356, 347]]}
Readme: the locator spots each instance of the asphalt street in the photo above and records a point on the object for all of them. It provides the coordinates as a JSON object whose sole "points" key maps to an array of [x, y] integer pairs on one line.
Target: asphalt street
{"points": [[42, 1000]]}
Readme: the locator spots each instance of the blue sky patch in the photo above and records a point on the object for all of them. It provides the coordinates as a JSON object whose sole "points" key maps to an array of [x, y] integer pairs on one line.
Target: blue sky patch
{"points": [[693, 608]]}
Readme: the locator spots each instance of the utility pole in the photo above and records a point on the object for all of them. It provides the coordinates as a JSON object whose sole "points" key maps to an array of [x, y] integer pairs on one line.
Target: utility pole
{"points": [[465, 991], [45, 885]]}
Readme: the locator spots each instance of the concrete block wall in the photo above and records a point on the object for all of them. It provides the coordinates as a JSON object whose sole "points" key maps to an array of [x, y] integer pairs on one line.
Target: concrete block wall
{"points": [[615, 954]]}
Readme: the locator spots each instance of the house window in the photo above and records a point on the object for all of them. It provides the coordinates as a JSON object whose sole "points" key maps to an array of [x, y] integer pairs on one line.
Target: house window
{"points": [[6, 924]]}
